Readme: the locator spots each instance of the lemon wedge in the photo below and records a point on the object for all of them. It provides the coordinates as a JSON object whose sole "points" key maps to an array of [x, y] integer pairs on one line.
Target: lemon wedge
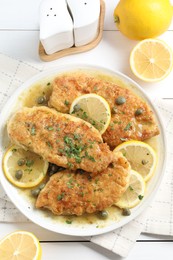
{"points": [[141, 157], [20, 245], [151, 60], [93, 109], [134, 193], [23, 168]]}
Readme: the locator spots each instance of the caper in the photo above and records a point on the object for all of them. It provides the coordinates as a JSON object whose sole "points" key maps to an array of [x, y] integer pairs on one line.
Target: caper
{"points": [[35, 192], [139, 112], [53, 168], [140, 197], [76, 108], [18, 174], [42, 186], [41, 100], [114, 110], [144, 162], [126, 212], [120, 100], [103, 214], [21, 161]]}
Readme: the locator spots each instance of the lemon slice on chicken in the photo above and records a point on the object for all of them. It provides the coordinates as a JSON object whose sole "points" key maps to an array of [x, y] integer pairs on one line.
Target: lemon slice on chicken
{"points": [[93, 109], [141, 157], [134, 193]]}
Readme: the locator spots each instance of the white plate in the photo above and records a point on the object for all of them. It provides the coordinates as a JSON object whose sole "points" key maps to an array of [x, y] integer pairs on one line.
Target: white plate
{"points": [[55, 223]]}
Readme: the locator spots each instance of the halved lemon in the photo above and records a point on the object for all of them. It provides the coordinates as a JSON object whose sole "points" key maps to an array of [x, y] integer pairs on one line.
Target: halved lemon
{"points": [[141, 157], [134, 193], [151, 60], [20, 245], [23, 168], [93, 109]]}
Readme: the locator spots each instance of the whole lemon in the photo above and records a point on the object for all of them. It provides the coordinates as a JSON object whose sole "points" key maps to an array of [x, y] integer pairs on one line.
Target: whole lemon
{"points": [[141, 19]]}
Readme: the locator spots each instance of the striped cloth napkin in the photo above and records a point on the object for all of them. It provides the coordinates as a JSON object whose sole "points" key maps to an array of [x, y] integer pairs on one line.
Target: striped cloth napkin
{"points": [[120, 241]]}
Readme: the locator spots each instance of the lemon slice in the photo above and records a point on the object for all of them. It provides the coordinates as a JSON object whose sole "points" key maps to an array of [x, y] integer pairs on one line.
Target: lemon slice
{"points": [[20, 245], [151, 60], [141, 157], [134, 193], [93, 109], [23, 168]]}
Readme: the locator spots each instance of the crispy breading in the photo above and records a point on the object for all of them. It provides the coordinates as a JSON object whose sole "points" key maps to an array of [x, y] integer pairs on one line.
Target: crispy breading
{"points": [[125, 125], [59, 138], [73, 193]]}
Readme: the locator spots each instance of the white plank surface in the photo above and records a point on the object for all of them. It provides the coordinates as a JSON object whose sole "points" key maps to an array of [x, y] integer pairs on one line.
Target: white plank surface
{"points": [[56, 246], [142, 251], [19, 37], [24, 14], [24, 45]]}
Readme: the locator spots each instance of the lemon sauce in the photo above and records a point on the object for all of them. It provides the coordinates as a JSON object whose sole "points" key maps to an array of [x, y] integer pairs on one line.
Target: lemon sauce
{"points": [[41, 91]]}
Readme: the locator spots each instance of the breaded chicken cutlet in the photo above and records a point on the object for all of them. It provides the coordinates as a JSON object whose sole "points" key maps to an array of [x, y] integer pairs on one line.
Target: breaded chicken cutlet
{"points": [[73, 193], [131, 116], [59, 138]]}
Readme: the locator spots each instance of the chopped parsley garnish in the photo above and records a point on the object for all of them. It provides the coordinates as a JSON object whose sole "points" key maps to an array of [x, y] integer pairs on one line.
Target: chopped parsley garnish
{"points": [[130, 188], [69, 185], [29, 163], [81, 194], [73, 149], [28, 170], [60, 196], [66, 102], [96, 181], [76, 136], [68, 140], [102, 122], [128, 126], [33, 130], [93, 122], [49, 144], [49, 128], [78, 159], [69, 164], [84, 115], [91, 158]]}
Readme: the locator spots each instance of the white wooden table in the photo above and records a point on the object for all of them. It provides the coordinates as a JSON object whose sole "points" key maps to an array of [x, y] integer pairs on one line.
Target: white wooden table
{"points": [[19, 37]]}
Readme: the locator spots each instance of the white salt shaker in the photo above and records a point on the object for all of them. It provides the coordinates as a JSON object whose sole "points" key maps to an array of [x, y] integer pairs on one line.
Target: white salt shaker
{"points": [[85, 14], [56, 26]]}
